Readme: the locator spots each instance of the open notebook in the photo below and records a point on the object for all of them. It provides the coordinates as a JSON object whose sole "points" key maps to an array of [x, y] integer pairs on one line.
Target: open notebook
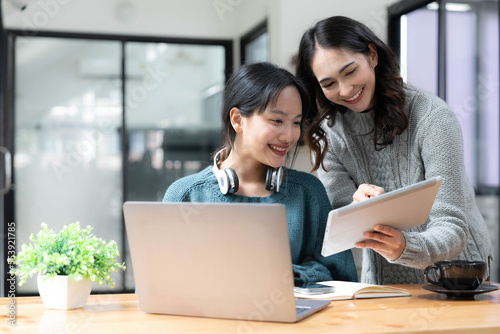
{"points": [[353, 290]]}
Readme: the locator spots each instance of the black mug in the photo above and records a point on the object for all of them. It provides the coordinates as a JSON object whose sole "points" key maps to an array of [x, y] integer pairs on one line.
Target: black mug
{"points": [[457, 274]]}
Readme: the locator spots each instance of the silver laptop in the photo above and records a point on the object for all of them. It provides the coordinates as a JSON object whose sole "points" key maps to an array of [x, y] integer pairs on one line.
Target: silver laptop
{"points": [[214, 260]]}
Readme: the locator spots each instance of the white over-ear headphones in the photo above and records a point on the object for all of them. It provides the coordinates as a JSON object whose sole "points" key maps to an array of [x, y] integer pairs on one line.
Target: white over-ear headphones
{"points": [[273, 178], [228, 180]]}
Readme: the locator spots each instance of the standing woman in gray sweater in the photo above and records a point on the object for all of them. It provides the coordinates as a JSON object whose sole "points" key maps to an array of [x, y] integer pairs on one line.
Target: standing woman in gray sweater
{"points": [[370, 133]]}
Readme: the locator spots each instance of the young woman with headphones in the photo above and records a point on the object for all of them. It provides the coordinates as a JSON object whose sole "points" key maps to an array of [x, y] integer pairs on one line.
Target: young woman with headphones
{"points": [[262, 121]]}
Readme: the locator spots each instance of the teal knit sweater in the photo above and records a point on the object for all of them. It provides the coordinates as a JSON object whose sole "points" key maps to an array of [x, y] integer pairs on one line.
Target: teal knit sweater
{"points": [[307, 207]]}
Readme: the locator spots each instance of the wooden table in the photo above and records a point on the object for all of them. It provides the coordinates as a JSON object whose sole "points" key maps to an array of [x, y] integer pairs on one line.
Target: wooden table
{"points": [[424, 312]]}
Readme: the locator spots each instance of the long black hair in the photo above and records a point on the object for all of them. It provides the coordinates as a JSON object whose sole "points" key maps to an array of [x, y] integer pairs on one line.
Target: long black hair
{"points": [[343, 33], [251, 89]]}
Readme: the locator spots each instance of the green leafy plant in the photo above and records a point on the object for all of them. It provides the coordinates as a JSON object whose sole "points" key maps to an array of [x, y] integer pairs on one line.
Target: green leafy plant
{"points": [[73, 251]]}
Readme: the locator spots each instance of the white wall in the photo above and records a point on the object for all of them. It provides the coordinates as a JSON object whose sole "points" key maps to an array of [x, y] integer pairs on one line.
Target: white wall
{"points": [[208, 19], [188, 18]]}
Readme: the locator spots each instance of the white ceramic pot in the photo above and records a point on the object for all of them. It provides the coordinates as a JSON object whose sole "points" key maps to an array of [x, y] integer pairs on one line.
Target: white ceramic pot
{"points": [[63, 292]]}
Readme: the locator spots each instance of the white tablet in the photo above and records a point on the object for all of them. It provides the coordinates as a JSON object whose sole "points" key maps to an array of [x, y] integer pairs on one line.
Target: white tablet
{"points": [[402, 209]]}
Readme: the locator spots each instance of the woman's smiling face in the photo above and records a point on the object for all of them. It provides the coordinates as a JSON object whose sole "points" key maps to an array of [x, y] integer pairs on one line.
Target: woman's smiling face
{"points": [[346, 78], [268, 136]]}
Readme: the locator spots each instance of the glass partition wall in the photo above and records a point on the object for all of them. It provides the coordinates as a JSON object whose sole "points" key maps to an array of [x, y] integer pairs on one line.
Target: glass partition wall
{"points": [[451, 49], [173, 98], [99, 122], [67, 156]]}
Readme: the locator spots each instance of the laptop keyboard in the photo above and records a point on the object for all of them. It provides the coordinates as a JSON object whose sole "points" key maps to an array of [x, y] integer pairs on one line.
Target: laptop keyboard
{"points": [[302, 309]]}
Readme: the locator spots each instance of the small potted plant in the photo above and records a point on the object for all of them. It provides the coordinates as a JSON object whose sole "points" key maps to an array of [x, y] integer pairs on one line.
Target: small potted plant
{"points": [[66, 263]]}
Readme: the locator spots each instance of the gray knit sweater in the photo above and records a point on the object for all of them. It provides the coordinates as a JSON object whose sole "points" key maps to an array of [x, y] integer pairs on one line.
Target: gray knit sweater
{"points": [[430, 146]]}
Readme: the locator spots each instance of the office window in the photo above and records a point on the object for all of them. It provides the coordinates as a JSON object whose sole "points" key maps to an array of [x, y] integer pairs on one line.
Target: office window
{"points": [[255, 45], [462, 67], [419, 52], [173, 99], [451, 49]]}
